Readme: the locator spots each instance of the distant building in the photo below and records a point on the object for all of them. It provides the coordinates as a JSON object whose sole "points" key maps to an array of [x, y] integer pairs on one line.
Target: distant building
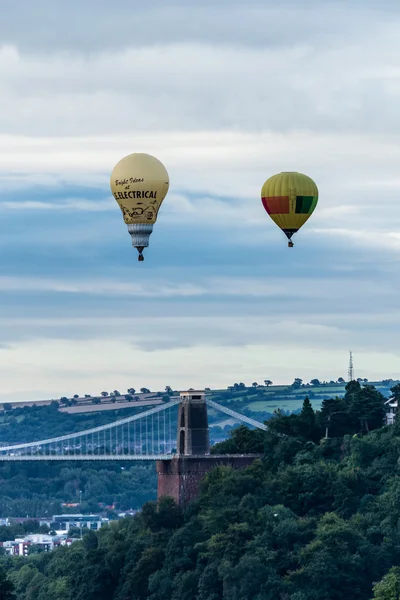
{"points": [[391, 411], [22, 546], [66, 522]]}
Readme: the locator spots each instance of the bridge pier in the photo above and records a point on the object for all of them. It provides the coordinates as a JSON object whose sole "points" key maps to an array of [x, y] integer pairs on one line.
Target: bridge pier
{"points": [[180, 477]]}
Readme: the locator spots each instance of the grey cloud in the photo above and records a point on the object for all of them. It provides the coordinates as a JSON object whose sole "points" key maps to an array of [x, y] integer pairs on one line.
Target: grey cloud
{"points": [[92, 68], [100, 24], [172, 88]]}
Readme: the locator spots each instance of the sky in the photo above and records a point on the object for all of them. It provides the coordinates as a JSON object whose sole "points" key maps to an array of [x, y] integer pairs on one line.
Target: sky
{"points": [[225, 94]]}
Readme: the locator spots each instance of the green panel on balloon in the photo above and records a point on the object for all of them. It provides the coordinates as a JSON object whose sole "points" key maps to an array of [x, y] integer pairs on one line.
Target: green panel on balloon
{"points": [[304, 204]]}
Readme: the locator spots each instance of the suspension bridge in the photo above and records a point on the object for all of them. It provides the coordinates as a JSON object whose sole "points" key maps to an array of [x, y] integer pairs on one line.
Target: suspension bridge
{"points": [[149, 435]]}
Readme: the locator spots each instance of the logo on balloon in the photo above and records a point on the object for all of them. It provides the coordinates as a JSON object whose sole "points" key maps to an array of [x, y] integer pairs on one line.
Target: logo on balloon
{"points": [[138, 211], [130, 180], [134, 194]]}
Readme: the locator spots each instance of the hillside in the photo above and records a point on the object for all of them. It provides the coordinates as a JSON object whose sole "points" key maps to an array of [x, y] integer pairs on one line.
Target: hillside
{"points": [[315, 519], [78, 413], [34, 489]]}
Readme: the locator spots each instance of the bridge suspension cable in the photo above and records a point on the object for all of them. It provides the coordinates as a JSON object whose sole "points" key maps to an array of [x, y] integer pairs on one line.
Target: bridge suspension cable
{"points": [[147, 435], [236, 415]]}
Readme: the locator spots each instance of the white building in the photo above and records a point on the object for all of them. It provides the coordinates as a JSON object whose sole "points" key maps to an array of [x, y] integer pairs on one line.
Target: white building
{"points": [[63, 523], [22, 546], [391, 411]]}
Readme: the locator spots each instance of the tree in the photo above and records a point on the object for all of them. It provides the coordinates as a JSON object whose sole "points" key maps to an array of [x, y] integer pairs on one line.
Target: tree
{"points": [[254, 384], [35, 549], [297, 382], [267, 382], [7, 406], [128, 397], [64, 400], [315, 382], [104, 394], [367, 407], [115, 393], [334, 415], [90, 541], [96, 400], [168, 389], [307, 410], [389, 587], [131, 391], [340, 380], [352, 389], [396, 391], [6, 587], [76, 396], [145, 390], [88, 396]]}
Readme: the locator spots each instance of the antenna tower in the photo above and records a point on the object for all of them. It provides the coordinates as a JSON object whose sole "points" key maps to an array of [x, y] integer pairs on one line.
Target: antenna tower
{"points": [[351, 368]]}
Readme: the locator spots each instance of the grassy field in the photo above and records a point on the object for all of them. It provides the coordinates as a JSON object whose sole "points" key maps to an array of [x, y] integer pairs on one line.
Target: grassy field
{"points": [[284, 404], [267, 399]]}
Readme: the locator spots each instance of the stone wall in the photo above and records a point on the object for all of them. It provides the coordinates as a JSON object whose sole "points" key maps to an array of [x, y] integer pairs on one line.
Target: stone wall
{"points": [[180, 477]]}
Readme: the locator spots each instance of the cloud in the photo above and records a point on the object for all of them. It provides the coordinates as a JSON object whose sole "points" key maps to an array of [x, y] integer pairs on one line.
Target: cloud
{"points": [[53, 24], [321, 73], [225, 95], [73, 204]]}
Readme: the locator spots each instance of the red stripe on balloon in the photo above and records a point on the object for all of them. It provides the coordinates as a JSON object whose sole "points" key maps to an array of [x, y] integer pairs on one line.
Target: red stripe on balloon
{"points": [[276, 205]]}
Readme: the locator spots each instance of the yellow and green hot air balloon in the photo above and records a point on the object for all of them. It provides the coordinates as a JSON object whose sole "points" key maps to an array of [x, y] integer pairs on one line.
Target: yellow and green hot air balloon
{"points": [[139, 183], [290, 199]]}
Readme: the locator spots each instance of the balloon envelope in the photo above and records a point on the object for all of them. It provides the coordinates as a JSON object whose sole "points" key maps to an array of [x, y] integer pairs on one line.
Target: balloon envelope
{"points": [[290, 199], [139, 183]]}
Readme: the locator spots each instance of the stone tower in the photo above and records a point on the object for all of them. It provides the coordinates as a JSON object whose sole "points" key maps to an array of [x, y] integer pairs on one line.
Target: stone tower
{"points": [[180, 477], [193, 436]]}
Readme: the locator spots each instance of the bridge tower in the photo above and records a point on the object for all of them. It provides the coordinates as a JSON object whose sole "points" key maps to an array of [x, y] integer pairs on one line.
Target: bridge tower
{"points": [[180, 477], [193, 436]]}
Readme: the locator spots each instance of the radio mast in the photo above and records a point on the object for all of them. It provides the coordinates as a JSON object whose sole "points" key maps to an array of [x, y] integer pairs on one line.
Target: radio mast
{"points": [[351, 368]]}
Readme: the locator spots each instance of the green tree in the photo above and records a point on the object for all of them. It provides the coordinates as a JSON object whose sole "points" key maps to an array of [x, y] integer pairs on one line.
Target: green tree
{"points": [[297, 383], [396, 391], [389, 587], [6, 587], [368, 408], [353, 388], [307, 422]]}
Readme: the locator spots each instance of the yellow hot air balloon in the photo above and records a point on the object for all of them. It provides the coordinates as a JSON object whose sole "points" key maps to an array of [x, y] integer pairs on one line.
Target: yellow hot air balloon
{"points": [[289, 199], [139, 183]]}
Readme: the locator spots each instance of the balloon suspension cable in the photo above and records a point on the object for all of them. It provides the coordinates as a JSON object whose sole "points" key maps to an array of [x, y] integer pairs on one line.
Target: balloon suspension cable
{"points": [[140, 233], [140, 250]]}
